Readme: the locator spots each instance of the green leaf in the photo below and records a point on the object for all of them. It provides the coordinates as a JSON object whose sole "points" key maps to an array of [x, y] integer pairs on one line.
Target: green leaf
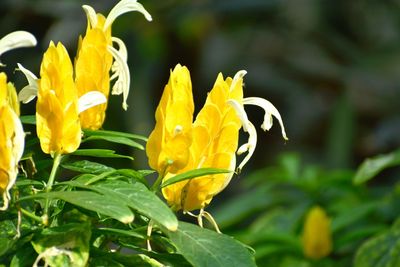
{"points": [[202, 247], [353, 214], [115, 139], [381, 251], [193, 174], [103, 204], [138, 197], [66, 245], [28, 119], [114, 134], [85, 166], [372, 166], [100, 153]]}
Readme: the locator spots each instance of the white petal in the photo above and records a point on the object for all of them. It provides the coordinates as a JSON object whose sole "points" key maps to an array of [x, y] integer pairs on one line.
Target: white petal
{"points": [[238, 76], [90, 99], [29, 92], [15, 40], [121, 48], [91, 15], [247, 127], [270, 111], [123, 7], [122, 72]]}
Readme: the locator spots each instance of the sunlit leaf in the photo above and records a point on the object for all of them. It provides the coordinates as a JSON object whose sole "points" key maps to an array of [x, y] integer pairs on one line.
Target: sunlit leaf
{"points": [[203, 247], [103, 204], [66, 245], [28, 119], [85, 166]]}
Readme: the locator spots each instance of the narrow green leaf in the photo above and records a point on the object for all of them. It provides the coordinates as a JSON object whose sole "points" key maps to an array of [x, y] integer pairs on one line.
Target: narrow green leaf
{"points": [[85, 166], [115, 139], [103, 204], [202, 247], [193, 174], [115, 134], [100, 153], [28, 119], [372, 166], [380, 251]]}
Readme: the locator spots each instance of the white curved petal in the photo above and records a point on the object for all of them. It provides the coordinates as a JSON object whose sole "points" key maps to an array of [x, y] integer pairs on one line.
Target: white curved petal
{"points": [[270, 111], [121, 48], [122, 72], [123, 7], [15, 40], [247, 127], [29, 92], [238, 76], [91, 15], [90, 99]]}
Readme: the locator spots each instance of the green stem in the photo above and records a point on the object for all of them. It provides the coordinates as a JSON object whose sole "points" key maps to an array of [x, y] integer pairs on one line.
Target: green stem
{"points": [[157, 183], [49, 185], [31, 215]]}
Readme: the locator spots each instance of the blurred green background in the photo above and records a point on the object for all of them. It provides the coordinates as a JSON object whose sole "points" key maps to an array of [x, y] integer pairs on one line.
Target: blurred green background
{"points": [[332, 68]]}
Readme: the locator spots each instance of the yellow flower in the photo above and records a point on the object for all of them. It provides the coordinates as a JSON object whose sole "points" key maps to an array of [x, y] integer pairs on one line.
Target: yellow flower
{"points": [[11, 139], [317, 241], [215, 141], [95, 60], [92, 71], [215, 137], [168, 144], [57, 120]]}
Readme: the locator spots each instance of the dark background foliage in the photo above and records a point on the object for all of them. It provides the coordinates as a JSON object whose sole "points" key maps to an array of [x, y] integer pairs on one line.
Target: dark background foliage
{"points": [[332, 68]]}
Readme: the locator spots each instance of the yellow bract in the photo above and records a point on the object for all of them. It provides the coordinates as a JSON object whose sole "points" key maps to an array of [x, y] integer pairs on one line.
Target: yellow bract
{"points": [[168, 144], [57, 121], [317, 241], [92, 70], [11, 138], [215, 141]]}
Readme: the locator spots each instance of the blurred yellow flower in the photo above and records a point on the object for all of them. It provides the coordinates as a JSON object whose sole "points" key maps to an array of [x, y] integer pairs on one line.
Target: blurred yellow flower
{"points": [[11, 138], [317, 241], [169, 143], [57, 121]]}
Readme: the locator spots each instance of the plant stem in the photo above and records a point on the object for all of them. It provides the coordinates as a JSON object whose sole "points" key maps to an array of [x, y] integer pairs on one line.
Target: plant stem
{"points": [[31, 215], [49, 185], [157, 183]]}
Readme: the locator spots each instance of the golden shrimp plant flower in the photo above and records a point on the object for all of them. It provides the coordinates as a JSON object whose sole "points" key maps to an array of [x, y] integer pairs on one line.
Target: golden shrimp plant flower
{"points": [[169, 143], [317, 240], [11, 138], [97, 56], [58, 107], [214, 141]]}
